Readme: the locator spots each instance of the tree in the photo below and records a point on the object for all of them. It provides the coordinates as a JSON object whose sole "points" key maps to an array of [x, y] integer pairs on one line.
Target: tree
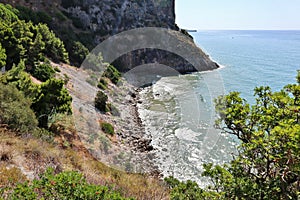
{"points": [[24, 41], [2, 57], [8, 13], [53, 98], [15, 110], [43, 71], [100, 101], [54, 47], [22, 81], [112, 73], [47, 99], [78, 53], [267, 165]]}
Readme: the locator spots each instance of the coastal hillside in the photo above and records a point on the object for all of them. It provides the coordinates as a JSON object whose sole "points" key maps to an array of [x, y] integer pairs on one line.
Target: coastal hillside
{"points": [[85, 24], [74, 133]]}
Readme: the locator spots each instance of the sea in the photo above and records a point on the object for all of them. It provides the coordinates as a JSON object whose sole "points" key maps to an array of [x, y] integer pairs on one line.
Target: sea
{"points": [[178, 112]]}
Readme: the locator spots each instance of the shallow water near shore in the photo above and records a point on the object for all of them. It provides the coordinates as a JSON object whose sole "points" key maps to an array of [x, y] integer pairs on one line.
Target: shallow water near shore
{"points": [[178, 112]]}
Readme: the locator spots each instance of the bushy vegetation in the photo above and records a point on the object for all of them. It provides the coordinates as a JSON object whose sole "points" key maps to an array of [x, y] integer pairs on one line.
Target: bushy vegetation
{"points": [[2, 57], [15, 110], [43, 71], [78, 53], [53, 98], [54, 47], [107, 128], [21, 80], [100, 101], [27, 14], [25, 41], [47, 98], [65, 185], [102, 84], [112, 73], [187, 190], [267, 165], [24, 47]]}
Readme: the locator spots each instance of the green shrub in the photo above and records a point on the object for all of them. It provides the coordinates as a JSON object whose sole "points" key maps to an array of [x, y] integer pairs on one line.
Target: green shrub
{"points": [[107, 128], [78, 53], [100, 101], [43, 71], [60, 16], [27, 14], [53, 98], [102, 84], [54, 47], [47, 99], [15, 110], [113, 74], [2, 56], [25, 41], [187, 190], [22, 81], [8, 13], [78, 23], [65, 185]]}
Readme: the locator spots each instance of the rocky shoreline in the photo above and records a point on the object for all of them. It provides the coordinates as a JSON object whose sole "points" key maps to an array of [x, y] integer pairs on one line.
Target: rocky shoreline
{"points": [[130, 148]]}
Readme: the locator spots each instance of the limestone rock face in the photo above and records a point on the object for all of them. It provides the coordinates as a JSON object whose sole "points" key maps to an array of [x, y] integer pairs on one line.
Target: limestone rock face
{"points": [[107, 17], [101, 19]]}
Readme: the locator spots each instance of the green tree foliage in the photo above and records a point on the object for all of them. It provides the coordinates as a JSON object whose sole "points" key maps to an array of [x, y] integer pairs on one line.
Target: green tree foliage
{"points": [[268, 163], [47, 99], [27, 14], [7, 13], [22, 81], [100, 101], [187, 190], [53, 98], [107, 128], [2, 57], [15, 110], [78, 53], [23, 40], [65, 185], [54, 47], [43, 71], [112, 73]]}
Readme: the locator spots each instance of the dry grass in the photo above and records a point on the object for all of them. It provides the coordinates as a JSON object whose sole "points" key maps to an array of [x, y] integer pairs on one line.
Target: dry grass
{"points": [[26, 158]]}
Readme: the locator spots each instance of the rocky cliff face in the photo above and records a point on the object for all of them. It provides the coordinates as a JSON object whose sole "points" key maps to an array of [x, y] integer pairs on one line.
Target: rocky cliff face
{"points": [[100, 19], [111, 17], [107, 17]]}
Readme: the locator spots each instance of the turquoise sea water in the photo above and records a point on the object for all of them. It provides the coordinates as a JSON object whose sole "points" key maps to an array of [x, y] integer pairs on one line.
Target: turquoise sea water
{"points": [[178, 112], [253, 58]]}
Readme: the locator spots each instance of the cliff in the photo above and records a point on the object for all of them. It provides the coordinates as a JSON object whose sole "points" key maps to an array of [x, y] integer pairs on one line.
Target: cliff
{"points": [[94, 21], [111, 17]]}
